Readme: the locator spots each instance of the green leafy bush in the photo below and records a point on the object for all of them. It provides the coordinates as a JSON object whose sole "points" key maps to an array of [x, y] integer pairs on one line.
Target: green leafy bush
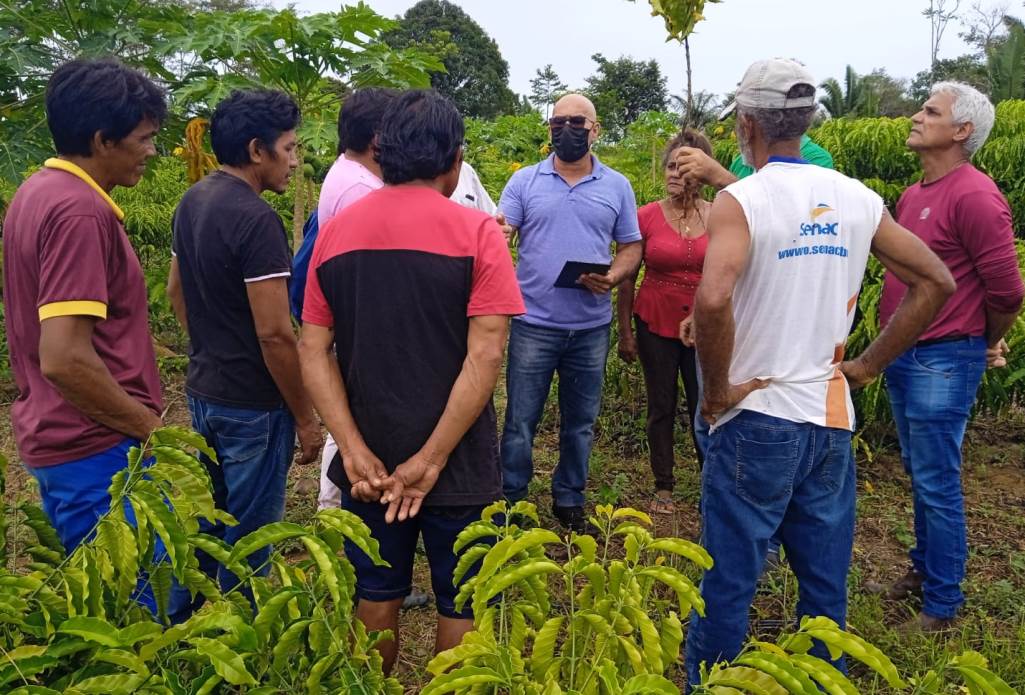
{"points": [[70, 623]]}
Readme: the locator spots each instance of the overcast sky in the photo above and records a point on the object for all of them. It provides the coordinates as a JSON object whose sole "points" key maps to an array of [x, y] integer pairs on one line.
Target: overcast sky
{"points": [[826, 35]]}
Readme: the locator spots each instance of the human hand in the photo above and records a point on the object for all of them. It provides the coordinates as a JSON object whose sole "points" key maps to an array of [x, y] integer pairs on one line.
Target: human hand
{"points": [[310, 441], [405, 489], [507, 229], [693, 164], [599, 284], [687, 331], [365, 472], [996, 356], [713, 406], [857, 374], [627, 347]]}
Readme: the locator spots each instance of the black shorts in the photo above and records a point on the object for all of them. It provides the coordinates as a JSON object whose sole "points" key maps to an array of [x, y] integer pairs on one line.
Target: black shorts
{"points": [[439, 526]]}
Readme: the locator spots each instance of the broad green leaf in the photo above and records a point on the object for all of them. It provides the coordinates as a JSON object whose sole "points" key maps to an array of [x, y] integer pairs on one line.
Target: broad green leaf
{"points": [[829, 678], [121, 684], [461, 679], [791, 677], [649, 684], [92, 629], [228, 665], [262, 537]]}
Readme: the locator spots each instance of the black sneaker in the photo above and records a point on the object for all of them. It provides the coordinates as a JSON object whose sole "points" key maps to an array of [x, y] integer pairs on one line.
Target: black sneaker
{"points": [[573, 519]]}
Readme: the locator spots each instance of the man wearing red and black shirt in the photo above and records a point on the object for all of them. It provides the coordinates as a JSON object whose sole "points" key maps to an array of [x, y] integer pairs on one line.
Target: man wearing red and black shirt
{"points": [[413, 291], [959, 212]]}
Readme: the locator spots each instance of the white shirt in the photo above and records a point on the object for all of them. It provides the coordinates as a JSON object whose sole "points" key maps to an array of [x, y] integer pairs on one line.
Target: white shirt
{"points": [[471, 193], [811, 233]]}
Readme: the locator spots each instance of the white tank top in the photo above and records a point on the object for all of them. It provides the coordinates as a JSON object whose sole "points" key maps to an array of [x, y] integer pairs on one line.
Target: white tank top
{"points": [[811, 233]]}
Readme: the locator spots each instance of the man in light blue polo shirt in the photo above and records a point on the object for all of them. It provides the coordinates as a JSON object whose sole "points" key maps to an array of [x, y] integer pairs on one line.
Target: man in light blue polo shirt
{"points": [[569, 207]]}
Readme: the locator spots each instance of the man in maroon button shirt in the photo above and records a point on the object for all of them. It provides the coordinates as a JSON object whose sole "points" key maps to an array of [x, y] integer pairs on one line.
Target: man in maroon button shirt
{"points": [[959, 212]]}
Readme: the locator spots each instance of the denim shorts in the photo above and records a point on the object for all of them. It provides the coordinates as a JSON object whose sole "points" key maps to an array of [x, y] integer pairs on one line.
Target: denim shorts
{"points": [[439, 526]]}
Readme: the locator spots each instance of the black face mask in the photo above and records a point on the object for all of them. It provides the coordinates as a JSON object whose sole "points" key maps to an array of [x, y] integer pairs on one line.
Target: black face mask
{"points": [[570, 144]]}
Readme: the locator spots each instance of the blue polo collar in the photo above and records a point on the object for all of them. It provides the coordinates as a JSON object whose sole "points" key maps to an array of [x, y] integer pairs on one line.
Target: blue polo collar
{"points": [[787, 160], [547, 166]]}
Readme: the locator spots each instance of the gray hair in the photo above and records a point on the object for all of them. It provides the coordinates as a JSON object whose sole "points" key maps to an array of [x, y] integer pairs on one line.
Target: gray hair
{"points": [[780, 124], [970, 106]]}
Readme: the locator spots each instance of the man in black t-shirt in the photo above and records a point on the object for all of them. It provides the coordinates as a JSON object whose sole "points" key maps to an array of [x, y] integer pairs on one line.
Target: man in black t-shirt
{"points": [[228, 287]]}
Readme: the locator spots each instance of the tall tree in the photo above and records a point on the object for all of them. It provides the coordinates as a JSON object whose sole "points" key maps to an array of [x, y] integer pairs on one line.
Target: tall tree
{"points": [[940, 13], [854, 98], [982, 24], [546, 88], [697, 109], [680, 18], [623, 89], [37, 36], [890, 94], [315, 59], [476, 77], [968, 68], [1005, 64]]}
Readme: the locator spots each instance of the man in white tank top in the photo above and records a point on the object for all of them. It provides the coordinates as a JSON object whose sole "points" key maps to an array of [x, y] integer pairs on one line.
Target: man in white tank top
{"points": [[787, 251]]}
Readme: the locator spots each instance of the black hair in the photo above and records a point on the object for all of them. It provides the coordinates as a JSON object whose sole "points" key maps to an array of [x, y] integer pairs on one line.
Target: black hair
{"points": [[84, 97], [253, 114], [360, 117], [420, 136]]}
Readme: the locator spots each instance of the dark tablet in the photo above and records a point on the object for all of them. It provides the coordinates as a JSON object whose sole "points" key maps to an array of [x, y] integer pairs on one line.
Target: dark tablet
{"points": [[572, 271]]}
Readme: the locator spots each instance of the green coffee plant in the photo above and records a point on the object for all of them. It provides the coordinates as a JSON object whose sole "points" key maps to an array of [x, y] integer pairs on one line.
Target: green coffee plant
{"points": [[618, 630], [786, 667], [70, 623]]}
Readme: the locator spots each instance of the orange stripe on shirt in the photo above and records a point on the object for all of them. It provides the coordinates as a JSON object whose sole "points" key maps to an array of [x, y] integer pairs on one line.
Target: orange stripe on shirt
{"points": [[836, 402], [852, 302]]}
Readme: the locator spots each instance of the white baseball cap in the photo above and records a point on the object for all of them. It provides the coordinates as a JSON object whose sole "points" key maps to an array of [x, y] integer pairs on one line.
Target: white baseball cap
{"points": [[767, 85]]}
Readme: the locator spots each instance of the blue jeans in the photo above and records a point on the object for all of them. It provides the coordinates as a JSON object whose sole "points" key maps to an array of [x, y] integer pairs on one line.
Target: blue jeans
{"points": [[765, 476], [932, 390], [701, 437], [535, 353], [76, 494], [254, 451]]}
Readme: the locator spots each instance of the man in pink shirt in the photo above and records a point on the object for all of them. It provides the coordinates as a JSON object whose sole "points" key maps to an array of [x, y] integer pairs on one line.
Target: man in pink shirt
{"points": [[962, 216], [355, 173]]}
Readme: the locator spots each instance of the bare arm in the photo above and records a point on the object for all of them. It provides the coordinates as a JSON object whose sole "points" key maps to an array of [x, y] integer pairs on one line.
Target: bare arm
{"points": [[268, 301], [326, 388], [624, 314], [473, 388], [729, 242], [997, 325], [929, 285], [694, 164], [176, 295], [69, 361]]}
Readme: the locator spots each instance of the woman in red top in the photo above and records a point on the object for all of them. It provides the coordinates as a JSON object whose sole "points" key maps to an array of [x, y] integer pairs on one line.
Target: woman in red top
{"points": [[673, 230]]}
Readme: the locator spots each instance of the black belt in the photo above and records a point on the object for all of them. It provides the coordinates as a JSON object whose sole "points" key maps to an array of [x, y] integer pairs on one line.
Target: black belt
{"points": [[943, 339]]}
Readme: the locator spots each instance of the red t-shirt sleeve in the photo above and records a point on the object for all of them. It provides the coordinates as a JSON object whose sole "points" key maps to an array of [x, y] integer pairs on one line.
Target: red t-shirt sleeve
{"points": [[495, 290], [315, 307], [74, 264], [988, 237]]}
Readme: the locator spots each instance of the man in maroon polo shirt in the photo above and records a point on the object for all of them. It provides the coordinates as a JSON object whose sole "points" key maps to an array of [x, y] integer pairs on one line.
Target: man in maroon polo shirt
{"points": [[962, 216], [75, 297]]}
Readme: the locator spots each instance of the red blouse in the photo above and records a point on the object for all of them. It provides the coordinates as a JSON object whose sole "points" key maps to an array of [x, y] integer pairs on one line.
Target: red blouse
{"points": [[672, 271]]}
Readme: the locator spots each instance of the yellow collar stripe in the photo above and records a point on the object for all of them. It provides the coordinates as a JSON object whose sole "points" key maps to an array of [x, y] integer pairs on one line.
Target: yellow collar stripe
{"points": [[75, 170]]}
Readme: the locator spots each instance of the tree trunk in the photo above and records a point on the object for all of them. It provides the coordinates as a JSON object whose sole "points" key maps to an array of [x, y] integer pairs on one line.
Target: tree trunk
{"points": [[690, 86], [299, 205]]}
